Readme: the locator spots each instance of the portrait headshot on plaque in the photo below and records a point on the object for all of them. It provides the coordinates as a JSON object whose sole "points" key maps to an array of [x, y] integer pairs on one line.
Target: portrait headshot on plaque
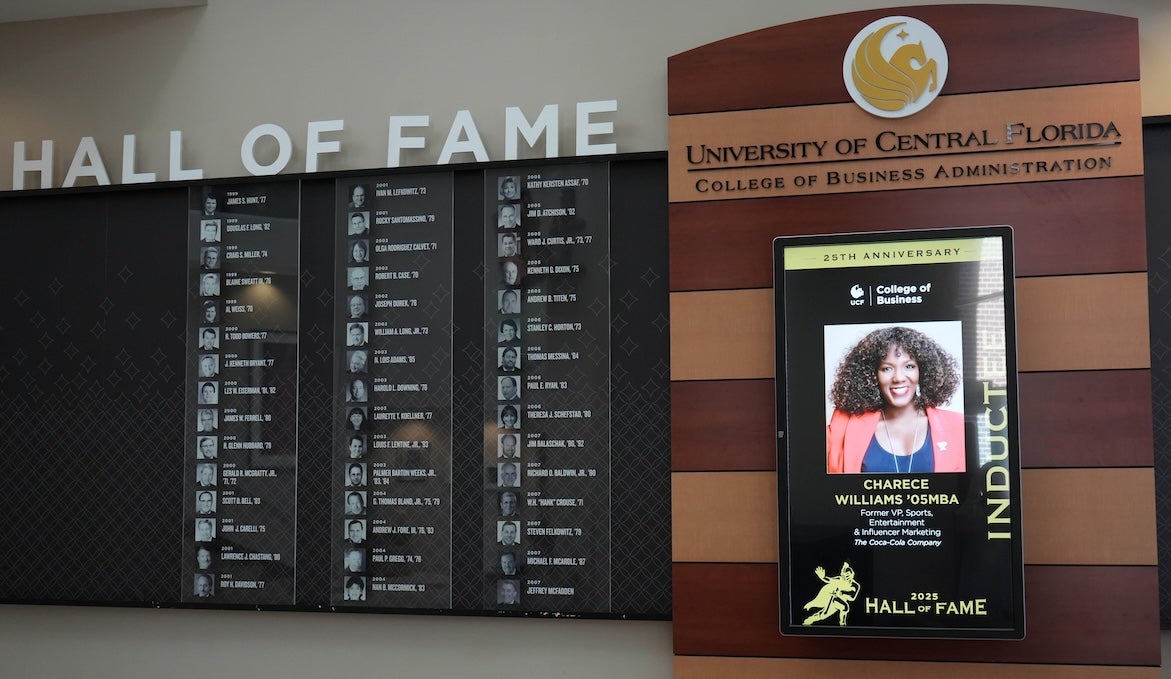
{"points": [[355, 589], [512, 271], [508, 475], [509, 331], [209, 393], [359, 224], [360, 252], [209, 258], [209, 365], [507, 417], [507, 388], [508, 217], [356, 334], [205, 502], [205, 475], [355, 530], [508, 503], [207, 421], [508, 301], [209, 231], [508, 359], [203, 558], [358, 278], [895, 404], [507, 245], [356, 418], [205, 448], [209, 339], [356, 391], [359, 195], [508, 592], [355, 503], [508, 533], [356, 446], [508, 188], [204, 586], [211, 311], [211, 204], [508, 563], [507, 446], [358, 307], [355, 560], [355, 474], [204, 530], [357, 361], [209, 285]]}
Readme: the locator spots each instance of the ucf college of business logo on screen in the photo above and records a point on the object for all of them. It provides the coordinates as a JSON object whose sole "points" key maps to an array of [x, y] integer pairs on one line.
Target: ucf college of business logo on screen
{"points": [[895, 67]]}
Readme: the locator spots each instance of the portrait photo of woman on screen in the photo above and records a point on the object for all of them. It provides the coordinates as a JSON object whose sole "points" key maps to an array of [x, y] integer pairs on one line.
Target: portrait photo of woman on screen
{"points": [[896, 404]]}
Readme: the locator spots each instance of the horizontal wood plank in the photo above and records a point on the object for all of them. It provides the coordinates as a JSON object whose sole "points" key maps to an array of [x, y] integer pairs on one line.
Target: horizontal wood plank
{"points": [[704, 667], [726, 425], [722, 335], [1070, 516], [1063, 323], [1089, 226], [1083, 322], [787, 65], [1086, 419], [724, 517], [697, 169], [729, 425], [1089, 516], [1092, 615]]}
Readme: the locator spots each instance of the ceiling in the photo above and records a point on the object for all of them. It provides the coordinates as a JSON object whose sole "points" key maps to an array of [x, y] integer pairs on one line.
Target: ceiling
{"points": [[32, 10]]}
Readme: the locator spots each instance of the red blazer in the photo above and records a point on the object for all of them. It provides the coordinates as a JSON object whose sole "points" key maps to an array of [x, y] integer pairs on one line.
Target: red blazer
{"points": [[848, 436]]}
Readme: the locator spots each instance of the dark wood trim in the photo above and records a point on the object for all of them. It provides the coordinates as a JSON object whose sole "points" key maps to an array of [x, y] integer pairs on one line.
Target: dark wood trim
{"points": [[723, 425], [1073, 227], [1074, 615], [800, 63], [1086, 419], [1093, 418]]}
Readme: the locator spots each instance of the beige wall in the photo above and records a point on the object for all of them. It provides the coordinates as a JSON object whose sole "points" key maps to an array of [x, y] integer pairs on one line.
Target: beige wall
{"points": [[215, 72], [218, 71], [116, 643]]}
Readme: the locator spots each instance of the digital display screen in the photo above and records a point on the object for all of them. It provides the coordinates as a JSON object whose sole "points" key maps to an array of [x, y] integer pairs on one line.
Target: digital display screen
{"points": [[898, 461]]}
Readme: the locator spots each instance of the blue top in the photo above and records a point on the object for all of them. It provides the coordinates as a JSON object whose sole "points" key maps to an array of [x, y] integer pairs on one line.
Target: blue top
{"points": [[878, 461]]}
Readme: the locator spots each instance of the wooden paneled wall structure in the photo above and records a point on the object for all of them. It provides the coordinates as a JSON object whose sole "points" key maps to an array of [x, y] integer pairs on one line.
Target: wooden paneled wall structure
{"points": [[1085, 409]]}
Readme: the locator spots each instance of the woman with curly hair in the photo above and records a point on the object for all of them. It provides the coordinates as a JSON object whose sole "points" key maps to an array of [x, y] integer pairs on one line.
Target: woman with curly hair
{"points": [[887, 395]]}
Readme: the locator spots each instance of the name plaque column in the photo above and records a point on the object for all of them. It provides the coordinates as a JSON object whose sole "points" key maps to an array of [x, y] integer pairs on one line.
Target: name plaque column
{"points": [[393, 375], [241, 433], [546, 517]]}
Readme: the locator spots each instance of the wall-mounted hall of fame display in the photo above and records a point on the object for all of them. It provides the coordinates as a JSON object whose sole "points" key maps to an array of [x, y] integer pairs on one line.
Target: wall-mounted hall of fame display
{"points": [[514, 514], [240, 452], [383, 391], [393, 373], [547, 389], [899, 467]]}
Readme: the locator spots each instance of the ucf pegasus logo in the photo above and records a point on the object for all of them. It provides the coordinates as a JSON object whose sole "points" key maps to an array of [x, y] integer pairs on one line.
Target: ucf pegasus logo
{"points": [[895, 67]]}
